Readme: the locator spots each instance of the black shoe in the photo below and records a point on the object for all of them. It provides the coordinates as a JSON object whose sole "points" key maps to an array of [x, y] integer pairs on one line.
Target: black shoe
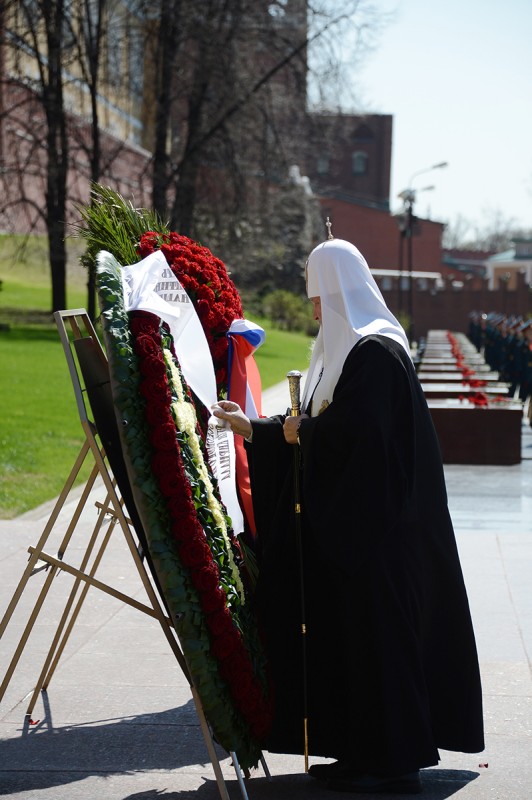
{"points": [[376, 784], [338, 769]]}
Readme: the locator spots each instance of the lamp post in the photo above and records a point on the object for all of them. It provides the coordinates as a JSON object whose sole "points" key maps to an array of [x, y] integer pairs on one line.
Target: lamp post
{"points": [[408, 196]]}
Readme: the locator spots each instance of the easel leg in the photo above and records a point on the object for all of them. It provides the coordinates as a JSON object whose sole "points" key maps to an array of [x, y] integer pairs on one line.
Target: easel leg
{"points": [[239, 776], [265, 767], [58, 645], [27, 630], [34, 558], [44, 536], [222, 788]]}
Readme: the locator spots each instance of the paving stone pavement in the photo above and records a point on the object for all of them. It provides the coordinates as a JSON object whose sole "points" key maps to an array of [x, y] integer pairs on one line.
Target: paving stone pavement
{"points": [[118, 722]]}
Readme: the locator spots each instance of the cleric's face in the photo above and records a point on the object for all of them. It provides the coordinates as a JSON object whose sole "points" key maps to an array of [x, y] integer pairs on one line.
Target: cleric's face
{"points": [[316, 308]]}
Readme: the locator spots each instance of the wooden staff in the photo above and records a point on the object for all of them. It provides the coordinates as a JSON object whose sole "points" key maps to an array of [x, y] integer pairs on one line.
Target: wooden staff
{"points": [[294, 380]]}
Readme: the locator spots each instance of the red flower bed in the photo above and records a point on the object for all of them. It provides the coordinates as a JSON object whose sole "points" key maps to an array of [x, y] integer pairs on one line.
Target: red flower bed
{"points": [[467, 372]]}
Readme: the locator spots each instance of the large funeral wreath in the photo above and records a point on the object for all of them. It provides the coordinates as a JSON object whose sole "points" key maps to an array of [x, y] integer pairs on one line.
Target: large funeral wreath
{"points": [[197, 558]]}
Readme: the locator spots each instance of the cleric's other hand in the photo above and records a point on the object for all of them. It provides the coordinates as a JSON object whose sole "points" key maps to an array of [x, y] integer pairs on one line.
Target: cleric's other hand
{"points": [[291, 427]]}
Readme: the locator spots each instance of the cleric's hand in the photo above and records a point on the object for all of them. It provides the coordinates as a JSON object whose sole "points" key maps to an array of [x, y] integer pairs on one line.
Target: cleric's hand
{"points": [[290, 428], [233, 414]]}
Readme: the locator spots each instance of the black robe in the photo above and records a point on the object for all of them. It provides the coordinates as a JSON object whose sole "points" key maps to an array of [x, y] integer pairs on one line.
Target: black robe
{"points": [[392, 666]]}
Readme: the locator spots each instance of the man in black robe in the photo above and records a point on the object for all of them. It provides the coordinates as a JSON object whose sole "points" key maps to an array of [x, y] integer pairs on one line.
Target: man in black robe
{"points": [[391, 662]]}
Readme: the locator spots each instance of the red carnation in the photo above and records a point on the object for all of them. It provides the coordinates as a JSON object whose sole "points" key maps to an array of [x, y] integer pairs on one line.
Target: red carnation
{"points": [[235, 668], [156, 390], [224, 645], [149, 242], [144, 322], [181, 504], [146, 346], [153, 367], [207, 578], [219, 347], [220, 622], [163, 437], [156, 413], [194, 553], [213, 600], [183, 527], [164, 465], [206, 293]]}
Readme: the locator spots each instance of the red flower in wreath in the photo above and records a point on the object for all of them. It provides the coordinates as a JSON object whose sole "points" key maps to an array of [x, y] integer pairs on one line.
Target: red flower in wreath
{"points": [[213, 601], [156, 412], [194, 553], [206, 578], [145, 322], [207, 283], [227, 644], [162, 435], [155, 390]]}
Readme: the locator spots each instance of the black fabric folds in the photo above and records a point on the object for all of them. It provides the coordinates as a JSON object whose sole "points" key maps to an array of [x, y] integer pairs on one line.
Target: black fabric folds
{"points": [[392, 665]]}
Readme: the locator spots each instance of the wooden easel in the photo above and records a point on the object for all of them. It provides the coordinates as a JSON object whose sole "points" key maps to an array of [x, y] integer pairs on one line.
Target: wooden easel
{"points": [[89, 373]]}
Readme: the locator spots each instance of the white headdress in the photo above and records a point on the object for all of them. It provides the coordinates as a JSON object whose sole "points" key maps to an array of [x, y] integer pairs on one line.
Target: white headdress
{"points": [[352, 306]]}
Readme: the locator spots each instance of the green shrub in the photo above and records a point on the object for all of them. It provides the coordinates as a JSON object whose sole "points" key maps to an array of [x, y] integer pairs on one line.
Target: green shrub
{"points": [[289, 312]]}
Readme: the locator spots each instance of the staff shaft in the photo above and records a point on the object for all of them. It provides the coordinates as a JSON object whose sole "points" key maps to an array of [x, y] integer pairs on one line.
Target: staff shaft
{"points": [[294, 379]]}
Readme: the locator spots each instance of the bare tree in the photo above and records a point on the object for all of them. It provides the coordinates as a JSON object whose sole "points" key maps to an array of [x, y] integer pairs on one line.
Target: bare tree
{"points": [[494, 234], [89, 42], [224, 104], [457, 233], [36, 36], [239, 100], [163, 81]]}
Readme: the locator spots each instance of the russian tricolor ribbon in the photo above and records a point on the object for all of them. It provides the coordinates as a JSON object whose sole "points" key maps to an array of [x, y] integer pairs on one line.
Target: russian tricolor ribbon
{"points": [[244, 388]]}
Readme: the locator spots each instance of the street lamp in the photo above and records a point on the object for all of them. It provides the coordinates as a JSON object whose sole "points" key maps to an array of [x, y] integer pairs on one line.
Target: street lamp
{"points": [[440, 165], [408, 196]]}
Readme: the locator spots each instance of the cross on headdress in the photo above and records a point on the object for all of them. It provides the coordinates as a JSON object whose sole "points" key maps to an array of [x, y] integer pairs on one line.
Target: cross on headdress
{"points": [[328, 225]]}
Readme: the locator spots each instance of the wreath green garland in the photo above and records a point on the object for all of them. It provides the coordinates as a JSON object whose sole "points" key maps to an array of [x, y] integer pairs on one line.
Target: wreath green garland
{"points": [[194, 551]]}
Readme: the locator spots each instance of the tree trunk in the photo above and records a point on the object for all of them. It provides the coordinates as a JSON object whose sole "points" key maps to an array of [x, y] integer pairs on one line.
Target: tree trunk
{"points": [[93, 46], [167, 48], [57, 141], [182, 218]]}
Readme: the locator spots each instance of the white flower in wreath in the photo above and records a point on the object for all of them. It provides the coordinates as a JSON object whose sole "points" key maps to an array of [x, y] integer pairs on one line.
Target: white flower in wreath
{"points": [[185, 417]]}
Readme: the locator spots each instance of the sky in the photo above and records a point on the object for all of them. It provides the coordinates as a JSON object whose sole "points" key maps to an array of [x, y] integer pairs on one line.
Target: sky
{"points": [[457, 77]]}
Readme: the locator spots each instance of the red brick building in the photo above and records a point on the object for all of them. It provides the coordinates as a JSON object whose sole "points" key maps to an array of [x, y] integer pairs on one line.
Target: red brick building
{"points": [[377, 235], [348, 164]]}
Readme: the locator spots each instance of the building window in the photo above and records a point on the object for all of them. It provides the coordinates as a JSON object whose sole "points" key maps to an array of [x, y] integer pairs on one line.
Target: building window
{"points": [[363, 134], [322, 165], [359, 163]]}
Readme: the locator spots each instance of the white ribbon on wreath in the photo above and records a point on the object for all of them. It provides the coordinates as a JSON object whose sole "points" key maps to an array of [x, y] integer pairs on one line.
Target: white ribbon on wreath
{"points": [[150, 285]]}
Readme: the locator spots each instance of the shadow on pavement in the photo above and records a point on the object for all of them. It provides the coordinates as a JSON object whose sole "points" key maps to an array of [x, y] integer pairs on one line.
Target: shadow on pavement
{"points": [[44, 755], [437, 785]]}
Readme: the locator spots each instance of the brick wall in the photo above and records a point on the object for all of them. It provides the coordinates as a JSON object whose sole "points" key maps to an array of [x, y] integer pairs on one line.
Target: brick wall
{"points": [[376, 234], [448, 308]]}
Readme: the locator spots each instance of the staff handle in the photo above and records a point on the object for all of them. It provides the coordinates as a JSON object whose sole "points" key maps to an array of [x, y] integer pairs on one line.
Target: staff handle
{"points": [[294, 382]]}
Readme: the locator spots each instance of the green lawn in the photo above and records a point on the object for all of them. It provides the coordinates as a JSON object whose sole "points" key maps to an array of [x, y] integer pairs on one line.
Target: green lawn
{"points": [[40, 432], [280, 353]]}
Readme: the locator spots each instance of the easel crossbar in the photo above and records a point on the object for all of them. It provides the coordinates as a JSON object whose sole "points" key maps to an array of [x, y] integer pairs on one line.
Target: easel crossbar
{"points": [[104, 587]]}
